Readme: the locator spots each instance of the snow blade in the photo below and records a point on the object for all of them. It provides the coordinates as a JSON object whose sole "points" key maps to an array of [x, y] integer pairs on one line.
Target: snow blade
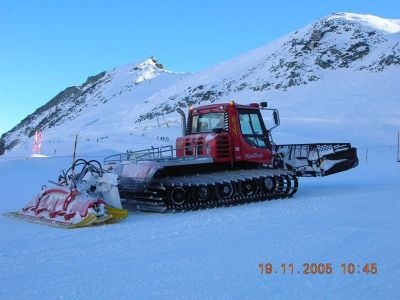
{"points": [[66, 208], [116, 214], [85, 222], [79, 199], [311, 160]]}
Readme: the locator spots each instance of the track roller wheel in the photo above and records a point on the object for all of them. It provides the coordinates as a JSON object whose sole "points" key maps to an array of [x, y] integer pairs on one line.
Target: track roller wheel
{"points": [[287, 183], [268, 184], [248, 187], [294, 185], [202, 193], [178, 195], [225, 190], [280, 186]]}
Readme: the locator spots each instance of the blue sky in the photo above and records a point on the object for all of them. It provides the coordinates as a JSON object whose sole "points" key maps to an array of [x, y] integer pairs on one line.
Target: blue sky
{"points": [[46, 46]]}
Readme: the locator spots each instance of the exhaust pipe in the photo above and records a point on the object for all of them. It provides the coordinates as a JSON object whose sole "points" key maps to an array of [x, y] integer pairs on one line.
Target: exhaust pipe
{"points": [[183, 120]]}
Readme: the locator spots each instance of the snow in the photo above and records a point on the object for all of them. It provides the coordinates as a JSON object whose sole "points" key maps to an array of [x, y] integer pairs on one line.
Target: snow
{"points": [[386, 25], [344, 218], [350, 217], [38, 155]]}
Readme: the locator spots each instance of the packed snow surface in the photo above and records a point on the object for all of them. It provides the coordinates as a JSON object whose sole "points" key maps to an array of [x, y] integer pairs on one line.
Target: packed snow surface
{"points": [[350, 217]]}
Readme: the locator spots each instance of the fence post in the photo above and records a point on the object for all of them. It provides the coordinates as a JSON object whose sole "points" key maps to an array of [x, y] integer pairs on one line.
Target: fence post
{"points": [[74, 155], [398, 146], [366, 156], [165, 120]]}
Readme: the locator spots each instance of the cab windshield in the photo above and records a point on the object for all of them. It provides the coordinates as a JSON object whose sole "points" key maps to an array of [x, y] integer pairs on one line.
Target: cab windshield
{"points": [[207, 122], [252, 128]]}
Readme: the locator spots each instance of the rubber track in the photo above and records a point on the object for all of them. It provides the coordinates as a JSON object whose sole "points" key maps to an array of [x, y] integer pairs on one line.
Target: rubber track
{"points": [[155, 198]]}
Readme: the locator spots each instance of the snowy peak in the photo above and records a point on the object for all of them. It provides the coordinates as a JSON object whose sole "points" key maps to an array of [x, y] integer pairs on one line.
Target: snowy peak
{"points": [[374, 22], [347, 40], [147, 70], [151, 62], [341, 40], [138, 72]]}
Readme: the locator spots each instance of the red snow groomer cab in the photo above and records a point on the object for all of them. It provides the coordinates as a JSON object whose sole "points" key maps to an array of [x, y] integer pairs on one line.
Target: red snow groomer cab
{"points": [[225, 156], [228, 133]]}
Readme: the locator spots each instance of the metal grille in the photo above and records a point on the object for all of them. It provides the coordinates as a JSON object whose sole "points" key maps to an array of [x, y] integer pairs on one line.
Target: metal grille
{"points": [[223, 146]]}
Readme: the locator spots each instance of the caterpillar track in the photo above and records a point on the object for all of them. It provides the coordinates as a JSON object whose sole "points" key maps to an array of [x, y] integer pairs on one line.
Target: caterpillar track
{"points": [[202, 191]]}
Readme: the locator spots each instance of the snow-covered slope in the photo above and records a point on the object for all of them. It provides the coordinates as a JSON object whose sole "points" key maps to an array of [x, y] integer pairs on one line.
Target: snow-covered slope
{"points": [[350, 217], [334, 80]]}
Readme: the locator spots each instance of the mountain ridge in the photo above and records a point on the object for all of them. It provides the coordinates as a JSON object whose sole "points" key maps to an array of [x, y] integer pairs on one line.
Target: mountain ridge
{"points": [[134, 96]]}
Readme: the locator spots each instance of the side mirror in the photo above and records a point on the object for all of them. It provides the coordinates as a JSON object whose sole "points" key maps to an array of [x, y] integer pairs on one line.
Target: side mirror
{"points": [[274, 113], [263, 104], [276, 117]]}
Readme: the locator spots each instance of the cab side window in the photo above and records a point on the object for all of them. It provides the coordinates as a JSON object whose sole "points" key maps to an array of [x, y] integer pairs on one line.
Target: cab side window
{"points": [[251, 128]]}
